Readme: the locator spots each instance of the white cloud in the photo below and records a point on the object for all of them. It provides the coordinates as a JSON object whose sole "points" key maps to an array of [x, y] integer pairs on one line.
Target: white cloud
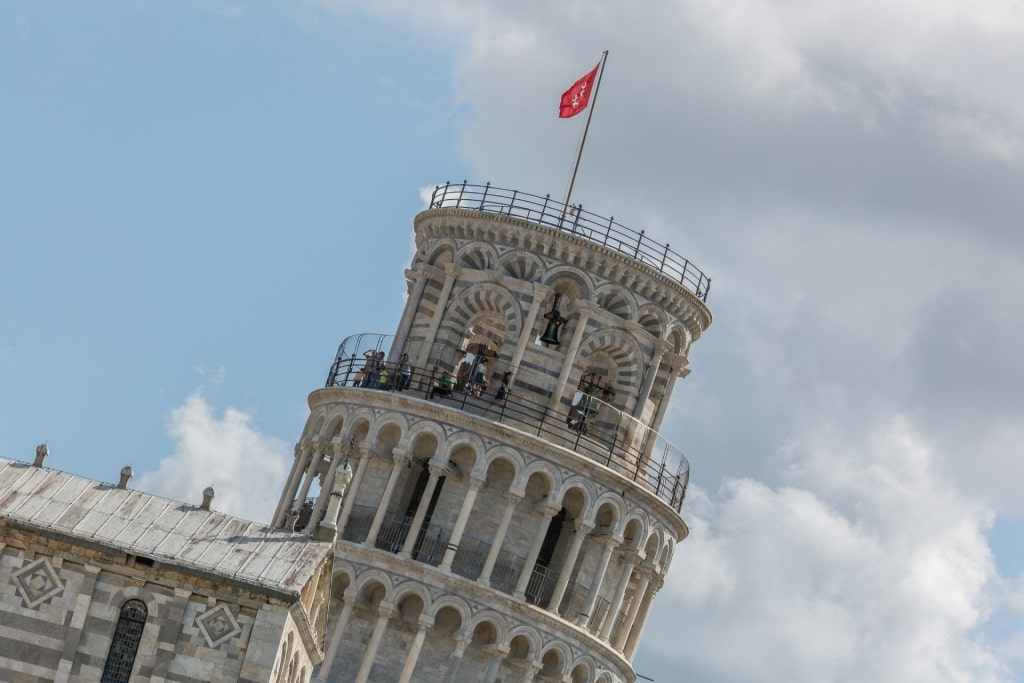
{"points": [[245, 467], [866, 566]]}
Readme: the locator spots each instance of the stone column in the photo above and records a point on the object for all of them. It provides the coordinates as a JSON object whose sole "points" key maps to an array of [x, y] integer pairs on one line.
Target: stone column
{"points": [[442, 303], [629, 559], [384, 613], [436, 472], [425, 624], [512, 501], [540, 292], [337, 452], [570, 355], [299, 465], [645, 573], [400, 458], [660, 348], [673, 375], [531, 671], [595, 585], [412, 304], [366, 455], [546, 515], [461, 641], [314, 463], [460, 522], [339, 630], [500, 653], [638, 625], [582, 529]]}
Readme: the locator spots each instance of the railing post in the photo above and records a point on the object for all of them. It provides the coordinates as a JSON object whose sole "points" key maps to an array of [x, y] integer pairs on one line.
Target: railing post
{"points": [[664, 257], [576, 218], [639, 240], [682, 277], [484, 198], [462, 195], [512, 204], [444, 196], [543, 208], [608, 232]]}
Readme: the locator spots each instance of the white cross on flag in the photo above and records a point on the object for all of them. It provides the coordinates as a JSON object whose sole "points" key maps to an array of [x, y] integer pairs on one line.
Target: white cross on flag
{"points": [[576, 98]]}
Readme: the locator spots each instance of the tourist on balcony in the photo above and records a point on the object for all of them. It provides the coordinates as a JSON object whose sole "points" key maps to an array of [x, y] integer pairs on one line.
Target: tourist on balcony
{"points": [[443, 385]]}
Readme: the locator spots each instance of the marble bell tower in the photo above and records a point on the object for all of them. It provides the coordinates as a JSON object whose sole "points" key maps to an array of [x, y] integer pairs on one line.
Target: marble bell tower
{"points": [[510, 508]]}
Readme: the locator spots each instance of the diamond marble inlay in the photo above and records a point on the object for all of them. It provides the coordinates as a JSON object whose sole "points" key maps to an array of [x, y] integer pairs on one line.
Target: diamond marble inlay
{"points": [[218, 625], [37, 582]]}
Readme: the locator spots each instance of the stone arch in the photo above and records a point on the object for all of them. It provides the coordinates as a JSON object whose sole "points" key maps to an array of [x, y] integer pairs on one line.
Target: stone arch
{"points": [[576, 495], [484, 301], [521, 265], [654, 320], [465, 448], [497, 622], [366, 586], [476, 256], [524, 643], [425, 439], [547, 477], [452, 602], [387, 431], [616, 300], [411, 600], [441, 253], [358, 425], [582, 670], [636, 529], [613, 502], [555, 660], [679, 338], [505, 454], [314, 427], [334, 423], [586, 494], [667, 551], [606, 677], [342, 577], [572, 282], [622, 352], [118, 599]]}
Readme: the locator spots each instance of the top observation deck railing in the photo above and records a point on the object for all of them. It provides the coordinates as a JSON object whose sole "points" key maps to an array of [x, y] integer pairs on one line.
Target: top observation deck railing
{"points": [[575, 221], [590, 427]]}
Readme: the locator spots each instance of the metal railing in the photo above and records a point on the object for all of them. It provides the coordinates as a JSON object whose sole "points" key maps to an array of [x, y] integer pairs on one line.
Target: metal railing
{"points": [[574, 220], [601, 433]]}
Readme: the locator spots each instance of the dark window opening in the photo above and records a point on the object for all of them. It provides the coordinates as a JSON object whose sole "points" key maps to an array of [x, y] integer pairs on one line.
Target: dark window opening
{"points": [[125, 644]]}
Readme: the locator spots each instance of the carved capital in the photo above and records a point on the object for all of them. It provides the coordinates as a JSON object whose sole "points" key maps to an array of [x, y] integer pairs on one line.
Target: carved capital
{"points": [[513, 497]]}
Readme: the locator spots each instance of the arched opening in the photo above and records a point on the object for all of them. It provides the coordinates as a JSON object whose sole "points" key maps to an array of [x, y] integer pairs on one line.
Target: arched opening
{"points": [[125, 644]]}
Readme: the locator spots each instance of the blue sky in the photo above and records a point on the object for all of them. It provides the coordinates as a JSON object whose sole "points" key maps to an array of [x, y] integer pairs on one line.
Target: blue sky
{"points": [[199, 200]]}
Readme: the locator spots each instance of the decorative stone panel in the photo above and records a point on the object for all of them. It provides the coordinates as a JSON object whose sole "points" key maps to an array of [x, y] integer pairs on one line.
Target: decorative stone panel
{"points": [[37, 582], [218, 625]]}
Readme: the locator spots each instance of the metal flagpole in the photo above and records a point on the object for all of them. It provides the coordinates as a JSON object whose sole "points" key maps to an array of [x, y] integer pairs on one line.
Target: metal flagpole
{"points": [[593, 104]]}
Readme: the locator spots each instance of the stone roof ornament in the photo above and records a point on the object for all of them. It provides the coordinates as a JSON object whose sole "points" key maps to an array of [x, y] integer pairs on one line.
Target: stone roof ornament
{"points": [[42, 450], [126, 476], [207, 498]]}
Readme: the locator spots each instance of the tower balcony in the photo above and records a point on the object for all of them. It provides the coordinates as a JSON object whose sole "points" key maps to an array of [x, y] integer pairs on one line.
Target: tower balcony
{"points": [[574, 220], [586, 424]]}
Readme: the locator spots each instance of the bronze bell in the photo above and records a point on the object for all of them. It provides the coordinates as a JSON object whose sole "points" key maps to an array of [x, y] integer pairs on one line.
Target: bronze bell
{"points": [[555, 321]]}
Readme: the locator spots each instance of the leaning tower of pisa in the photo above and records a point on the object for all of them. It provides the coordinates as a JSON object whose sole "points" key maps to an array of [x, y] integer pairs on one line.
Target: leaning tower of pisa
{"points": [[511, 508]]}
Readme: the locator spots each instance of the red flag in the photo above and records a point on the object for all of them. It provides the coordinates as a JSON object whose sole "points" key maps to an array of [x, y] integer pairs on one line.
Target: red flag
{"points": [[576, 98]]}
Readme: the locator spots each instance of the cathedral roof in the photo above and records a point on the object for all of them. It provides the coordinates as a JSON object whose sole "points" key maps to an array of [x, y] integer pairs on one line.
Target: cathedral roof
{"points": [[171, 532]]}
